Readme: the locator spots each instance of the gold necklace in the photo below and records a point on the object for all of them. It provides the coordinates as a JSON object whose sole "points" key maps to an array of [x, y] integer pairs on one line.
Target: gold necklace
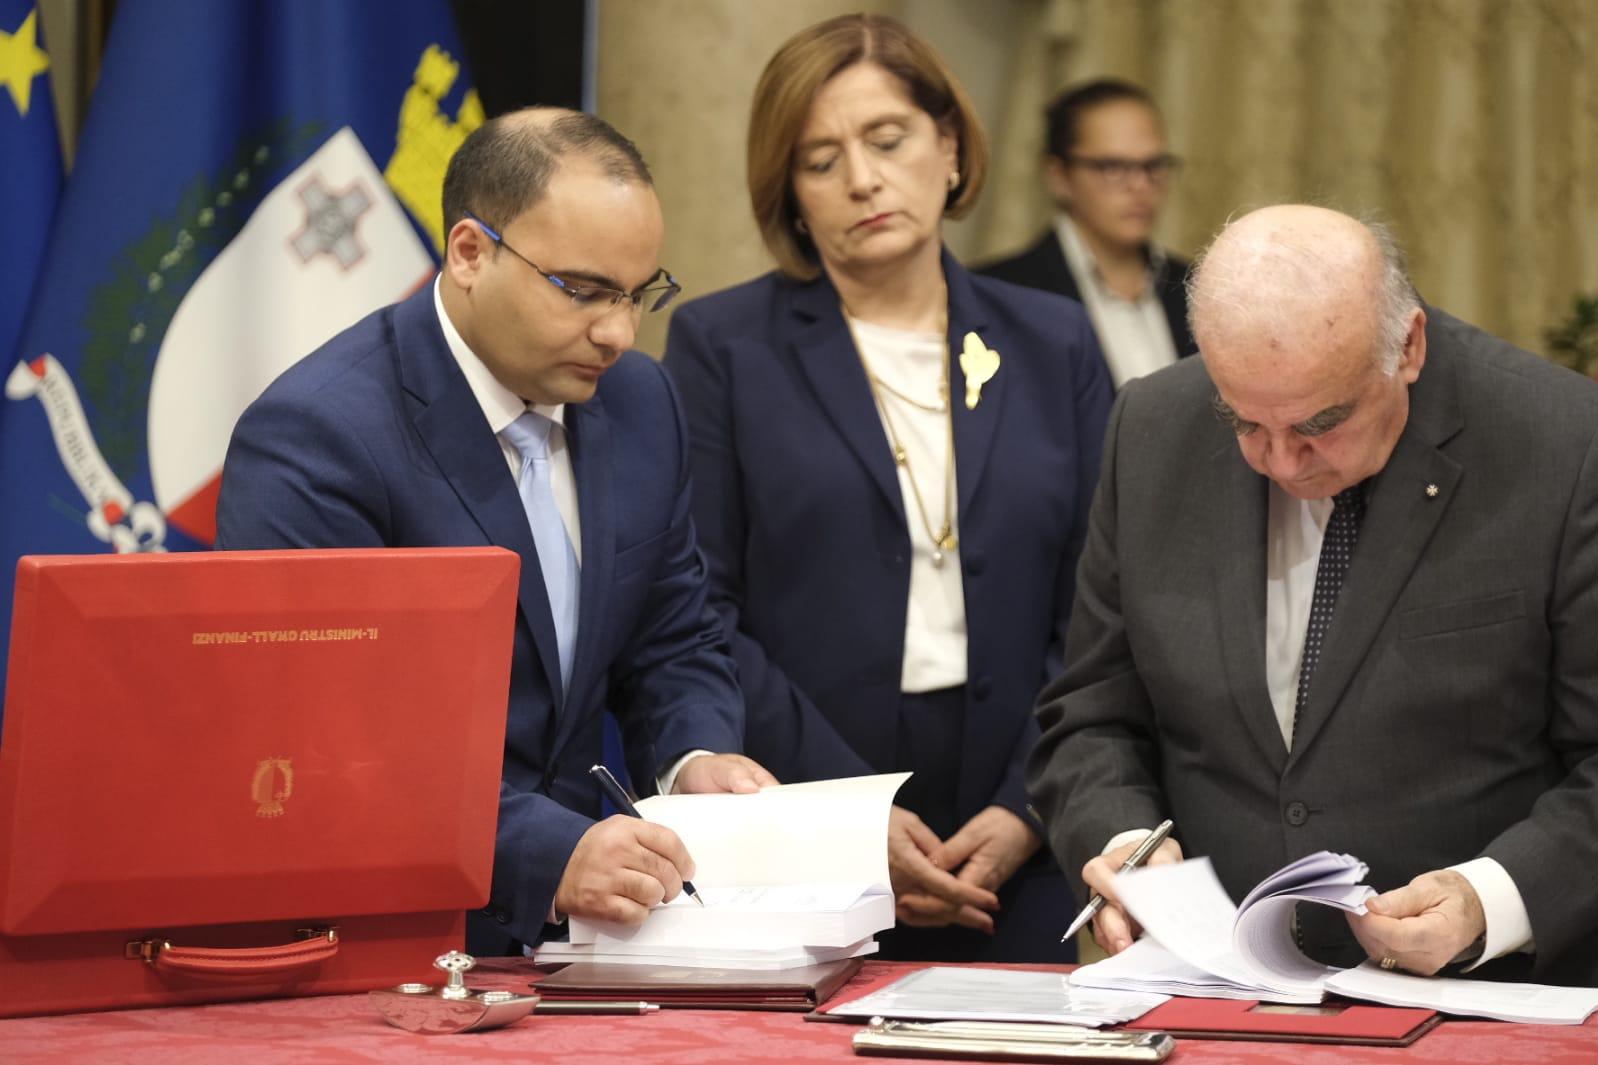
{"points": [[943, 537], [931, 408]]}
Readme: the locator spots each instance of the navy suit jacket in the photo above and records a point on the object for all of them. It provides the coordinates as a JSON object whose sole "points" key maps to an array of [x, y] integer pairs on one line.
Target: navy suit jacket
{"points": [[798, 503], [376, 440], [1043, 266]]}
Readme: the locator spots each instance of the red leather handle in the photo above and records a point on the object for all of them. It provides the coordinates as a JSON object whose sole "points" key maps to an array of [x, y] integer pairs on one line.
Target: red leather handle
{"points": [[318, 947]]}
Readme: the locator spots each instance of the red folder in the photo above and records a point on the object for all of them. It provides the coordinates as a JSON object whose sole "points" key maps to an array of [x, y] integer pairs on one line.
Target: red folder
{"points": [[236, 775], [1216, 1018]]}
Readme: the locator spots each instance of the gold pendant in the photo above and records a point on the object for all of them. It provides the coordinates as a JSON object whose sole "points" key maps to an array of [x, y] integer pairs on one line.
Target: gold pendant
{"points": [[978, 363]]}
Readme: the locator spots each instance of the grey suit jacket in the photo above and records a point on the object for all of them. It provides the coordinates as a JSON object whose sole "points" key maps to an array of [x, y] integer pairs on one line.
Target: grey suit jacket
{"points": [[1455, 706]]}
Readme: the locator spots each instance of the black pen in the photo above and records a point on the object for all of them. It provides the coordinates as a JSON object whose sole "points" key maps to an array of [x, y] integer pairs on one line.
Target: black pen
{"points": [[572, 1006], [610, 787]]}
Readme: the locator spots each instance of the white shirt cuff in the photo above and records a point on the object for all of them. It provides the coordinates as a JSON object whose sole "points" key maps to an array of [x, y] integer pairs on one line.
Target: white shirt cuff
{"points": [[1508, 926], [1121, 839], [668, 780]]}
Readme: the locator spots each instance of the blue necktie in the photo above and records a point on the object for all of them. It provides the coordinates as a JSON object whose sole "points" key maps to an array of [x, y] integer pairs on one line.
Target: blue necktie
{"points": [[529, 434]]}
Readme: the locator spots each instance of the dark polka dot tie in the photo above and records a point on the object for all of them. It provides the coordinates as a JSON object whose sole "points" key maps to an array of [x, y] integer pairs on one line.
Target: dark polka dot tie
{"points": [[1342, 532]]}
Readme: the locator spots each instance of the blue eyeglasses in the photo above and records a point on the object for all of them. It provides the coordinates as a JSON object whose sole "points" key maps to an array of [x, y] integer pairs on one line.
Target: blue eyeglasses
{"points": [[595, 297]]}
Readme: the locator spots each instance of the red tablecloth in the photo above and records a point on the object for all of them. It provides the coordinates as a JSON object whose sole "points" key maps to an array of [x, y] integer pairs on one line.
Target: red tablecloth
{"points": [[345, 1029]]}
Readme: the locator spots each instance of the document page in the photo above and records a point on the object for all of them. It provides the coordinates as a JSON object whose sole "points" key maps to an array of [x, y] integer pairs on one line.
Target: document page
{"points": [[793, 868], [1526, 1003], [1198, 944], [1263, 935], [971, 994], [1250, 946], [1148, 966], [824, 832], [1184, 907]]}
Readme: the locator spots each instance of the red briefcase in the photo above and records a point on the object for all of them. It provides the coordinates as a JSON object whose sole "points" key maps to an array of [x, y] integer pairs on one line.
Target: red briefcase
{"points": [[249, 774]]}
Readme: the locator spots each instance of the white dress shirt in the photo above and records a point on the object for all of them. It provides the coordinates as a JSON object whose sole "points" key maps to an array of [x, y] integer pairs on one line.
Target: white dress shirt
{"points": [[1294, 531], [1135, 334], [934, 629], [501, 406]]}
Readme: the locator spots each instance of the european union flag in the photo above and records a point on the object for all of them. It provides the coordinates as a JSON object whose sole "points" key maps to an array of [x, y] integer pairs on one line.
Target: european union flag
{"points": [[253, 176], [30, 180]]}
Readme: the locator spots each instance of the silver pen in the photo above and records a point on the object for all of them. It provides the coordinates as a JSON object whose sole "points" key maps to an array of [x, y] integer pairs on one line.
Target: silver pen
{"points": [[572, 1006], [1150, 844]]}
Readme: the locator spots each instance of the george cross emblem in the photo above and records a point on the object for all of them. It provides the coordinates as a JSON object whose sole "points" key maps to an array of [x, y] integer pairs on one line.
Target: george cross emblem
{"points": [[330, 222]]}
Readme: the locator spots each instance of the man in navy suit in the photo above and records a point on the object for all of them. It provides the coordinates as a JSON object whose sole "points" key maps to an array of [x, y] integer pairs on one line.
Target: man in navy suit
{"points": [[501, 406]]}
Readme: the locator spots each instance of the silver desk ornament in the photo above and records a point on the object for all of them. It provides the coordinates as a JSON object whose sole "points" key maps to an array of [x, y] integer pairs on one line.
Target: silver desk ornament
{"points": [[430, 1010]]}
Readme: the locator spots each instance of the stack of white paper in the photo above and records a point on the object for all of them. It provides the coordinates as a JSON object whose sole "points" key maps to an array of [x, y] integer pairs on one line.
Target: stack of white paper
{"points": [[560, 952], [1245, 951], [1148, 966], [794, 872], [968, 994], [1526, 1003], [1200, 945]]}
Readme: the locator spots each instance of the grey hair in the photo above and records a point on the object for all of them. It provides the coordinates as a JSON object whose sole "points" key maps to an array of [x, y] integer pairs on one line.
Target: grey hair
{"points": [[1394, 296]]}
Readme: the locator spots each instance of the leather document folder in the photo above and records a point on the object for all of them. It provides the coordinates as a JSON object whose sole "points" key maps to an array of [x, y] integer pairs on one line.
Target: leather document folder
{"points": [[1333, 1022], [243, 774], [799, 990]]}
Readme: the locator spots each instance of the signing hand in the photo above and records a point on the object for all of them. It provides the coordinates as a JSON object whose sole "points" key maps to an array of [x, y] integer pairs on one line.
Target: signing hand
{"points": [[1424, 925], [721, 772], [621, 867], [1113, 929], [924, 894]]}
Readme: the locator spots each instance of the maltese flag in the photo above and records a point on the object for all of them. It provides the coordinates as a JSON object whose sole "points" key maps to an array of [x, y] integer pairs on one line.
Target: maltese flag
{"points": [[327, 246]]}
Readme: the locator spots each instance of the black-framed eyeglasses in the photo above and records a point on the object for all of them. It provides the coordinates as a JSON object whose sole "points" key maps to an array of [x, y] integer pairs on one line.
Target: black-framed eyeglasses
{"points": [[595, 297], [1117, 171]]}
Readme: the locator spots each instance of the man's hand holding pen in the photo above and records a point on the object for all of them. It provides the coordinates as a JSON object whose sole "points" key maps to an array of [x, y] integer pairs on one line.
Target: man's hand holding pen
{"points": [[1113, 929], [622, 867]]}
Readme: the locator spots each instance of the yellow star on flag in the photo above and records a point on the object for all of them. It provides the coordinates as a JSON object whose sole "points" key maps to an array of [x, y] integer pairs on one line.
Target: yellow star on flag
{"points": [[21, 60]]}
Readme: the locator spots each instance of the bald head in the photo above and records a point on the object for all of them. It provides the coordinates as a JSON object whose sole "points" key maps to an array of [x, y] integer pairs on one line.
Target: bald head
{"points": [[503, 168], [1293, 280], [1312, 336]]}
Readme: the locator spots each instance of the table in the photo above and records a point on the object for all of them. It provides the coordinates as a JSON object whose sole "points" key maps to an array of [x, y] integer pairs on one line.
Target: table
{"points": [[344, 1029]]}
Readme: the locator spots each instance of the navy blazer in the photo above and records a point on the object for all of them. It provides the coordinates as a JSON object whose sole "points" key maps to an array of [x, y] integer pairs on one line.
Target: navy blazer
{"points": [[376, 440], [799, 509], [1043, 265]]}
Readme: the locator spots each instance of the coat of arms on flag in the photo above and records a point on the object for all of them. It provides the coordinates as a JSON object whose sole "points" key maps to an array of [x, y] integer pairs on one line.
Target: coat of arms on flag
{"points": [[239, 197]]}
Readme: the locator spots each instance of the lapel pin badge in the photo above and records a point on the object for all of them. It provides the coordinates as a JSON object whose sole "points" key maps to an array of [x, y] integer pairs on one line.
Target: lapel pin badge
{"points": [[1431, 491], [978, 363]]}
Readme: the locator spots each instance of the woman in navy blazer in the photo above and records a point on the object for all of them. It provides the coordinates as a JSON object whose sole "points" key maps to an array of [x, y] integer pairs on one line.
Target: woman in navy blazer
{"points": [[892, 462]]}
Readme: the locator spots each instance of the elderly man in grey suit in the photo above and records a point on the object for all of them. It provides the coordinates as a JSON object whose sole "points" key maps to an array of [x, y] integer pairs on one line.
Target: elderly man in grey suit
{"points": [[1340, 592]]}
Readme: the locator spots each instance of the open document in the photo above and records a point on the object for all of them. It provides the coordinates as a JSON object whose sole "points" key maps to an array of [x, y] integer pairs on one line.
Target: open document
{"points": [[1200, 945], [790, 875]]}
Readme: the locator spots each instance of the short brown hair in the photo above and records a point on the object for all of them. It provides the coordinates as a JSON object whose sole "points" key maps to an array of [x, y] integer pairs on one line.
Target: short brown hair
{"points": [[806, 62]]}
